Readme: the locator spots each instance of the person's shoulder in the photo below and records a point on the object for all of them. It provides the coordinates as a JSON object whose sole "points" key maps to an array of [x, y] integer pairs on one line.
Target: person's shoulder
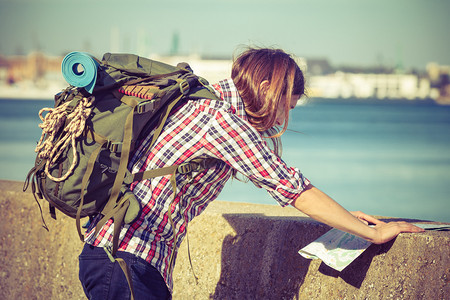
{"points": [[214, 105]]}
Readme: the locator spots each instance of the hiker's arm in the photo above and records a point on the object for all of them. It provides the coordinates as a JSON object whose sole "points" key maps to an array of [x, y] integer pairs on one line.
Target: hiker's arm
{"points": [[322, 208]]}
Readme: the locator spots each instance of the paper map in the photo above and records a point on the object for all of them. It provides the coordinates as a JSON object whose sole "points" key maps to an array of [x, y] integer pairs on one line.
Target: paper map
{"points": [[338, 249]]}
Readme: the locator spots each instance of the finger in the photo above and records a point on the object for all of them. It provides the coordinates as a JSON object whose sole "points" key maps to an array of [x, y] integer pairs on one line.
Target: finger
{"points": [[364, 221], [372, 220], [408, 227], [390, 230], [412, 228]]}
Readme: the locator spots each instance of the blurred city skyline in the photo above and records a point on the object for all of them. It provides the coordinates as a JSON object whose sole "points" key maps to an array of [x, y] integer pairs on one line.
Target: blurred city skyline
{"points": [[404, 33]]}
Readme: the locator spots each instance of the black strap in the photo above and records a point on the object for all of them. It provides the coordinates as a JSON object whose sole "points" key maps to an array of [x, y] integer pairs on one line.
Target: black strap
{"points": [[132, 81]]}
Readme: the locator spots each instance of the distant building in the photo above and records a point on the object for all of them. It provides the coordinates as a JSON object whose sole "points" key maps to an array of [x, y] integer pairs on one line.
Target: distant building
{"points": [[440, 82], [212, 70], [380, 86], [34, 67], [38, 72], [318, 67], [33, 76]]}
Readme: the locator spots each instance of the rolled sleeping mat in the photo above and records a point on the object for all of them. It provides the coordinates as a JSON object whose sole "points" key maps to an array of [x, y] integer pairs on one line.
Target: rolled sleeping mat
{"points": [[80, 69]]}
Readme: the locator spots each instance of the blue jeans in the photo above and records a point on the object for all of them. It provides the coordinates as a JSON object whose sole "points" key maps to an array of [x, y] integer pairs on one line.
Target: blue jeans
{"points": [[102, 279]]}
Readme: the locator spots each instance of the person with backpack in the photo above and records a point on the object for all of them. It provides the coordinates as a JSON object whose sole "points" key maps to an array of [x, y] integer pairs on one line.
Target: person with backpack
{"points": [[240, 134]]}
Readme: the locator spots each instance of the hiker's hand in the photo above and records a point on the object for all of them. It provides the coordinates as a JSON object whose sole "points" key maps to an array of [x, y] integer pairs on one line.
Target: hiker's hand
{"points": [[366, 219], [385, 231], [388, 231]]}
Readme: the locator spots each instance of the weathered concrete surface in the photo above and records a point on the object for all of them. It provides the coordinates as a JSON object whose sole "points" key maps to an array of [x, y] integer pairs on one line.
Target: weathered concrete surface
{"points": [[238, 251]]}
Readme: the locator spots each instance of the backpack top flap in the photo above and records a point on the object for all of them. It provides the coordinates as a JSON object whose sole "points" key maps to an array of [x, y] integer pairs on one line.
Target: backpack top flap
{"points": [[137, 65], [121, 67]]}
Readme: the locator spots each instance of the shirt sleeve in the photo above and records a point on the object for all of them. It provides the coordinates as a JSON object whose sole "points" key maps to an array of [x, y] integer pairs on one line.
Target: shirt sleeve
{"points": [[238, 144]]}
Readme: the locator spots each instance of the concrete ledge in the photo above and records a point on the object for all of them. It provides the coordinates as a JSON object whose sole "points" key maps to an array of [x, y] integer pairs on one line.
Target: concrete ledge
{"points": [[238, 251]]}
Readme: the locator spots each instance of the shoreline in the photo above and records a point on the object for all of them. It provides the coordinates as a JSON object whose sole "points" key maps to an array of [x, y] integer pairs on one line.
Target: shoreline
{"points": [[46, 95], [46, 90]]}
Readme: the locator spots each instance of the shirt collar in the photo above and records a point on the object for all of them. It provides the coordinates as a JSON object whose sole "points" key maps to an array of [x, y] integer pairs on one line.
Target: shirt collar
{"points": [[229, 93]]}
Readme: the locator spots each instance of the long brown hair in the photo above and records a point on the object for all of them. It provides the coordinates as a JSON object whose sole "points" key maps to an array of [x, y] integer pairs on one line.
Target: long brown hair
{"points": [[256, 65]]}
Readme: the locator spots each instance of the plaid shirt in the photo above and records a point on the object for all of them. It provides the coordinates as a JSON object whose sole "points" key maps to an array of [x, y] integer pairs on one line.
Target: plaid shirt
{"points": [[200, 128]]}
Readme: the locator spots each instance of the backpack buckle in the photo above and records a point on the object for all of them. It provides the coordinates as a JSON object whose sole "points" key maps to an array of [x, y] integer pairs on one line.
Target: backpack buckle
{"points": [[184, 87], [185, 168], [142, 108], [114, 147], [192, 166]]}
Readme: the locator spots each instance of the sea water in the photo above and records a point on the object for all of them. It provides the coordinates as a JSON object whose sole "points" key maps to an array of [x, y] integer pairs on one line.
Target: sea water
{"points": [[383, 157], [387, 158]]}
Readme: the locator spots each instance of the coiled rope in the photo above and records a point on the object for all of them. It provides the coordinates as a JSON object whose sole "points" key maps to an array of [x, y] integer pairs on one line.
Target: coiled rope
{"points": [[51, 125]]}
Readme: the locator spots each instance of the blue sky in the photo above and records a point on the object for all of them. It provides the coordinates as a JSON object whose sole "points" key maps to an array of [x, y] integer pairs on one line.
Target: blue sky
{"points": [[351, 32]]}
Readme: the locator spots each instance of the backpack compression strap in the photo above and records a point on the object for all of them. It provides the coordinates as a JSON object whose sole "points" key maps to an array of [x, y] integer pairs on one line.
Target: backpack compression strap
{"points": [[195, 165], [102, 141]]}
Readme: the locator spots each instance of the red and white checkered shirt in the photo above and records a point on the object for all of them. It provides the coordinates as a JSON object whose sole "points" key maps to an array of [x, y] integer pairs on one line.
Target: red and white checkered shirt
{"points": [[200, 128]]}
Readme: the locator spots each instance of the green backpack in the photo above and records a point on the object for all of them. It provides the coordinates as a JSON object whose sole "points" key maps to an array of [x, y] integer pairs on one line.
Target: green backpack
{"points": [[83, 154]]}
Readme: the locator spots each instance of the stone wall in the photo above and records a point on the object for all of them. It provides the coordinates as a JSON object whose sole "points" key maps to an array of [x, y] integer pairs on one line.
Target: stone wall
{"points": [[238, 251]]}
